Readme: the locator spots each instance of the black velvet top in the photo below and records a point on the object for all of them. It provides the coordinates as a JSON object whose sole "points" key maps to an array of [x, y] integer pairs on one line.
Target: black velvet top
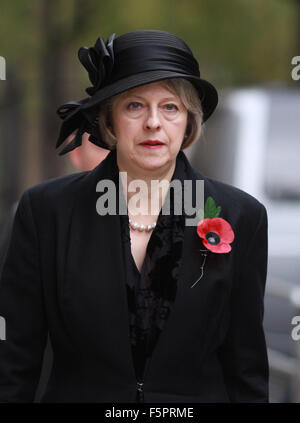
{"points": [[151, 292]]}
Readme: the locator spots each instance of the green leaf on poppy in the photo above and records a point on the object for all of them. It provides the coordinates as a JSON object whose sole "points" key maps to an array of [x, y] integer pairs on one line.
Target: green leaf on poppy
{"points": [[218, 211], [210, 209]]}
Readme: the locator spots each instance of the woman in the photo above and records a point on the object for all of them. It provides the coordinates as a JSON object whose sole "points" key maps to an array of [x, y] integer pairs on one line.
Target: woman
{"points": [[141, 303]]}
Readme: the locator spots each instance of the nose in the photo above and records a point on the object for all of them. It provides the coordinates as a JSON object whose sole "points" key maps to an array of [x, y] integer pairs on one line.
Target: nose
{"points": [[152, 120]]}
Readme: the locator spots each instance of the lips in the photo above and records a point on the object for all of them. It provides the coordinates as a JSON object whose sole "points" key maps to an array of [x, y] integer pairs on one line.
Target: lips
{"points": [[152, 142]]}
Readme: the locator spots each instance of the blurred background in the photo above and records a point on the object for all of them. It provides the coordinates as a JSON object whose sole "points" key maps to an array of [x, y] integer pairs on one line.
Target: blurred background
{"points": [[244, 47]]}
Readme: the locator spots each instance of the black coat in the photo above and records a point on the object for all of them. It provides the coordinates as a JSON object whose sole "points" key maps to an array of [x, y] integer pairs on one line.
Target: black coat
{"points": [[64, 275]]}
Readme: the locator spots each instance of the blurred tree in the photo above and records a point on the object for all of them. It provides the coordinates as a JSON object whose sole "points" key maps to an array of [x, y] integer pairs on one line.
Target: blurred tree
{"points": [[11, 125], [51, 83], [60, 24], [297, 27]]}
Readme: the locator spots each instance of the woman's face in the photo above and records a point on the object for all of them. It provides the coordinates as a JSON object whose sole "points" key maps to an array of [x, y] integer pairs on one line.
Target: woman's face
{"points": [[148, 113]]}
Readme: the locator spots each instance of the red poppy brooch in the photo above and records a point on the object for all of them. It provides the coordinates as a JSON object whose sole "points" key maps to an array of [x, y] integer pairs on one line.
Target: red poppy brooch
{"points": [[216, 233]]}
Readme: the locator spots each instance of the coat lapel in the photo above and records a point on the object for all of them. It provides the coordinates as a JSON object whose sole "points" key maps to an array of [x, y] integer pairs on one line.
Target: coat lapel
{"points": [[94, 292], [196, 305]]}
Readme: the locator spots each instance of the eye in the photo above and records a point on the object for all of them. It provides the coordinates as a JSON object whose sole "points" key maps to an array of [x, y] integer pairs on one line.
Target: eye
{"points": [[134, 105], [171, 107]]}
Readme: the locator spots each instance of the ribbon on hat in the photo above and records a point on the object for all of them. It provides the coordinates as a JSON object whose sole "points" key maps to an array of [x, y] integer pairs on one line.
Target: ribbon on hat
{"points": [[72, 116], [84, 121], [98, 61]]}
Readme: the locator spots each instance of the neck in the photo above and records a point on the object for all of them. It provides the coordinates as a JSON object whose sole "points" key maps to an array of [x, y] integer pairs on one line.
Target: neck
{"points": [[145, 192]]}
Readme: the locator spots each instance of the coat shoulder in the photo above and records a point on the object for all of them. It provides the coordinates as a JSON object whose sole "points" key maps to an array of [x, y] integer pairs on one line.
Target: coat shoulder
{"points": [[232, 194], [241, 209], [245, 212], [55, 193], [59, 185], [69, 186], [224, 194]]}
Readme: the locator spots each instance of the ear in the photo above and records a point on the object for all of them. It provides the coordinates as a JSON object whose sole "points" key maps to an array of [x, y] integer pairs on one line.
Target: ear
{"points": [[111, 130]]}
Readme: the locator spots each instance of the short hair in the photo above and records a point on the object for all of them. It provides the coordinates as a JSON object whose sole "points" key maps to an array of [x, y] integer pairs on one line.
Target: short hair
{"points": [[182, 88]]}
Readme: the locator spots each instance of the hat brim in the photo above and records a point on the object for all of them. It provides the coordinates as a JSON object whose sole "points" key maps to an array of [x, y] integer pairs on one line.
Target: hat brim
{"points": [[207, 92]]}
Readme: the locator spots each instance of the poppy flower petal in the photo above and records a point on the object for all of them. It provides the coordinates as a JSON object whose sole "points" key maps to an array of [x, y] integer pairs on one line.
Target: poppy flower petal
{"points": [[220, 248], [203, 227], [224, 230], [217, 225]]}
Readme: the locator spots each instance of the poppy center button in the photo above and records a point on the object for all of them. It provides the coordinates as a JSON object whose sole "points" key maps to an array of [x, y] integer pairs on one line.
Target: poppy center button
{"points": [[212, 238]]}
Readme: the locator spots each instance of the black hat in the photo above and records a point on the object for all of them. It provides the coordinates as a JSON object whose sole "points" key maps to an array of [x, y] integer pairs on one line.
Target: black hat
{"points": [[128, 61]]}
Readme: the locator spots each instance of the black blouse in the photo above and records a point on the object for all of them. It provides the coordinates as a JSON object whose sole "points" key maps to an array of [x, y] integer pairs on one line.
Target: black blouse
{"points": [[151, 292]]}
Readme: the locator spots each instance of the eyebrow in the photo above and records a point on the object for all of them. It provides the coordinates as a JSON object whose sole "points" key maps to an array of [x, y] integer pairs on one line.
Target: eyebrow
{"points": [[163, 99]]}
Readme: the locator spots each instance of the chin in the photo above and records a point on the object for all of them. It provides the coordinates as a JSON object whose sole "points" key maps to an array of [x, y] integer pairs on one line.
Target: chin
{"points": [[155, 163]]}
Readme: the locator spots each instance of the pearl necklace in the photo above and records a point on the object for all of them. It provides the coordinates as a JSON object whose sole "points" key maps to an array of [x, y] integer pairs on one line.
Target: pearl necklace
{"points": [[141, 228]]}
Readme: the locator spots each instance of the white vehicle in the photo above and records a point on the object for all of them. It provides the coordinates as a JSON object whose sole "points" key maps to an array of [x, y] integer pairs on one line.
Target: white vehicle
{"points": [[253, 143]]}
